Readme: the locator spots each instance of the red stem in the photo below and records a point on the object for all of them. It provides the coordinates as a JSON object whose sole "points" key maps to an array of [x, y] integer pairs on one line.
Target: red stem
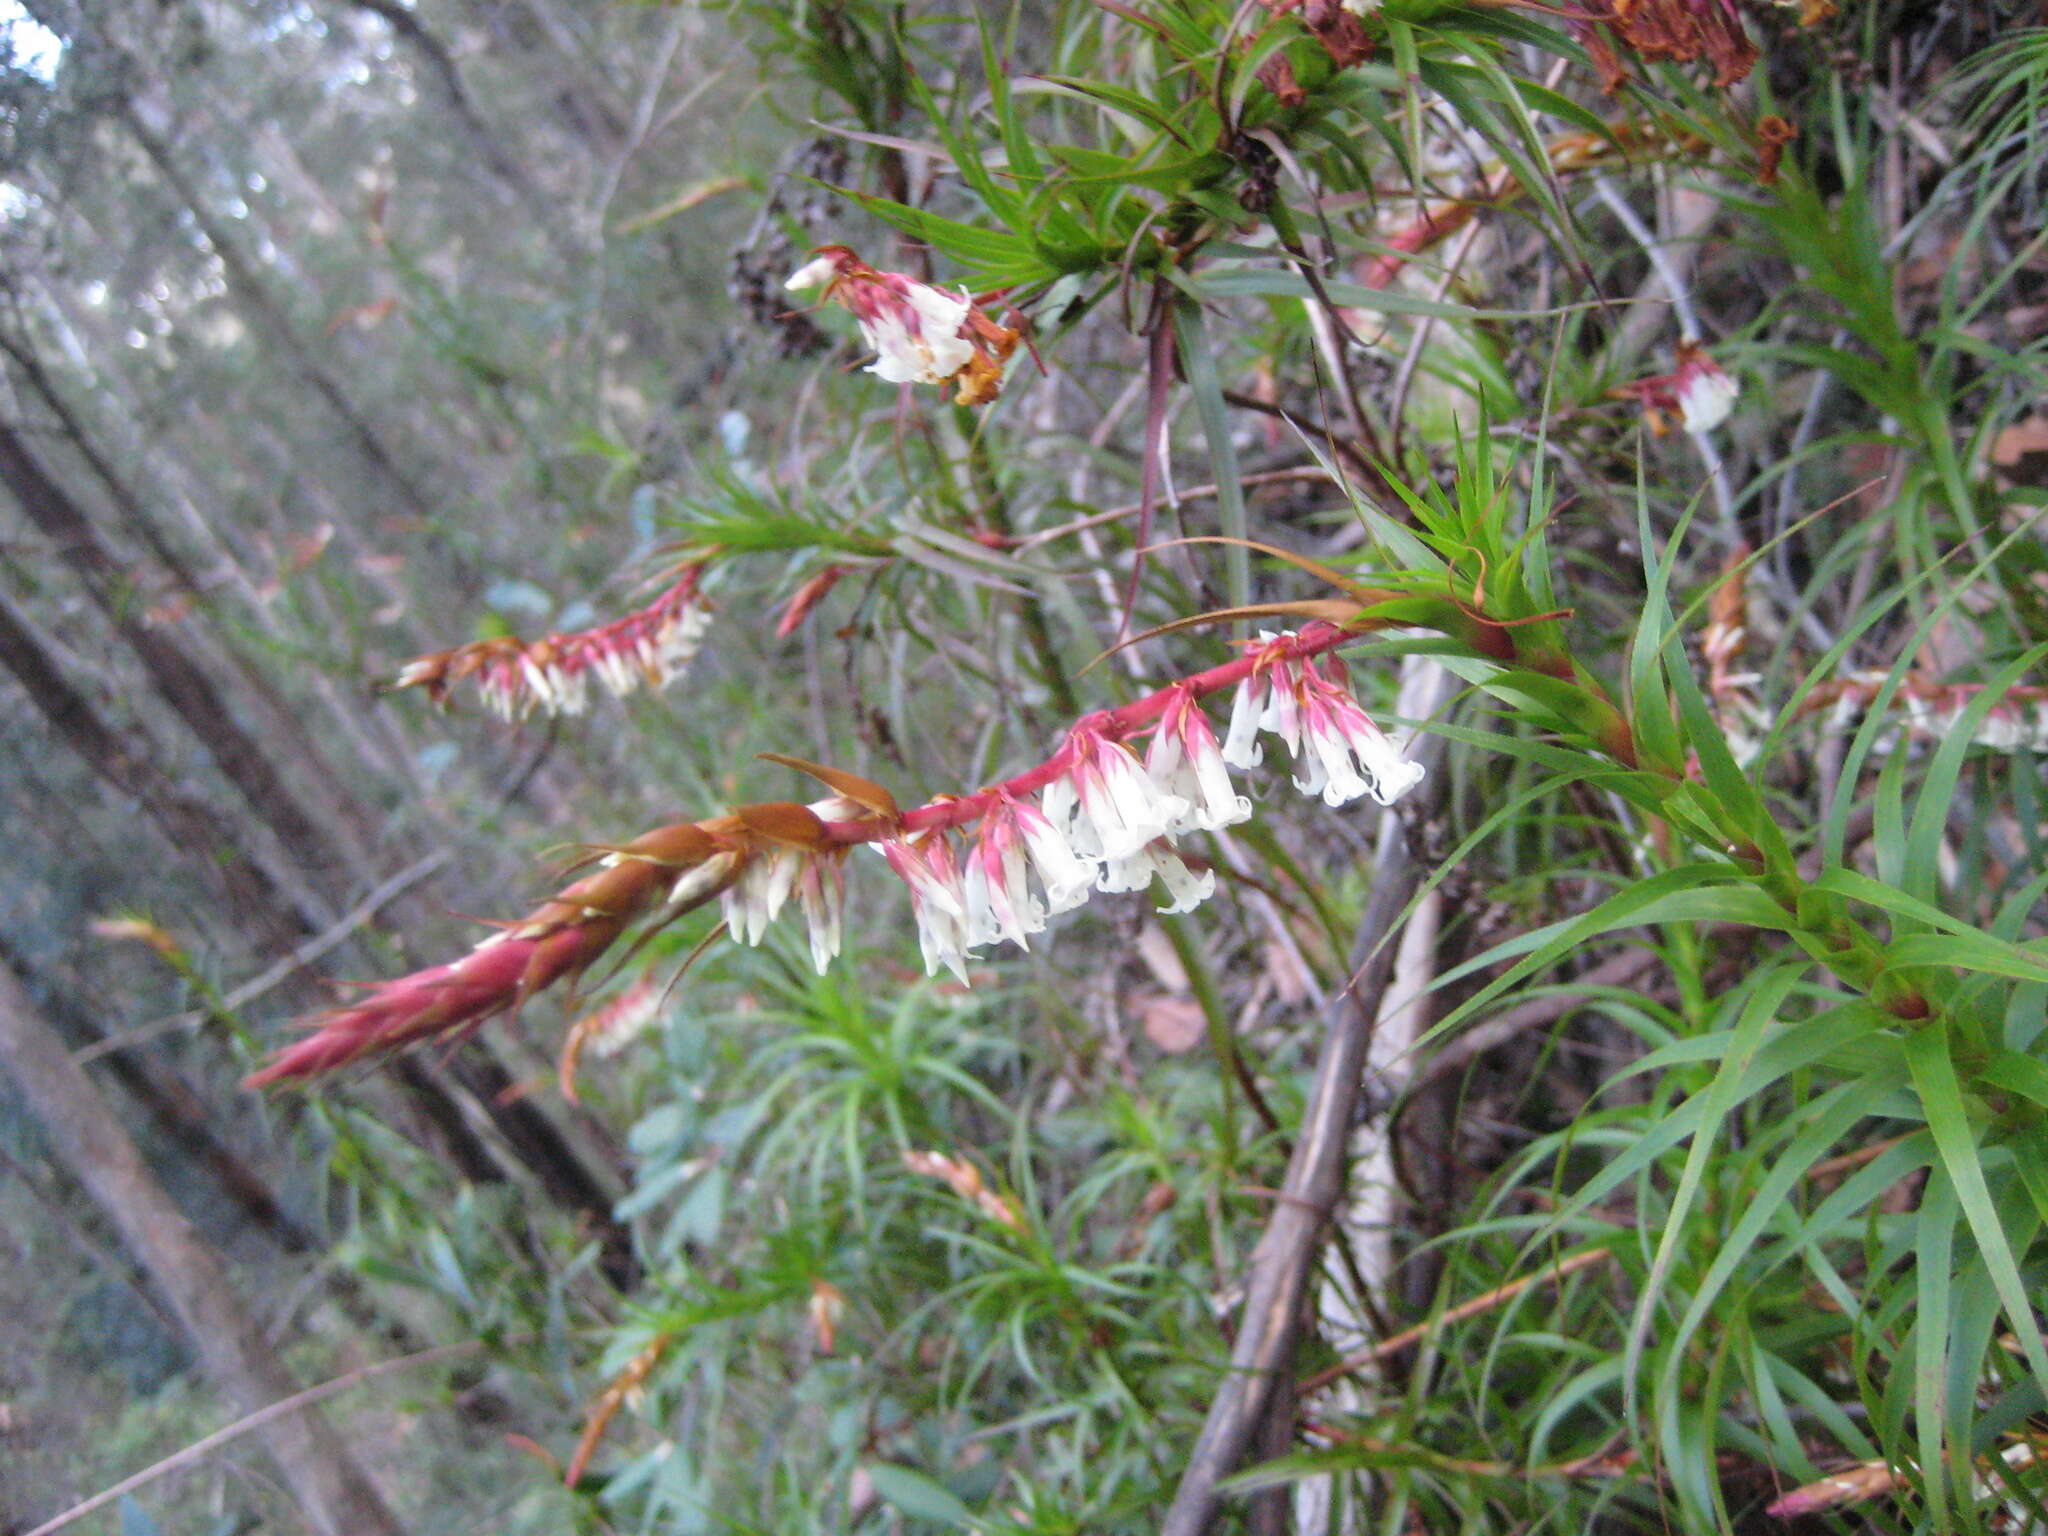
{"points": [[1125, 720]]}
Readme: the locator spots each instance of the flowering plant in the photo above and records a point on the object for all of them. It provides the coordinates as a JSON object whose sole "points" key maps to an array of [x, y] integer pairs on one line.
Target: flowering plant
{"points": [[1647, 794]]}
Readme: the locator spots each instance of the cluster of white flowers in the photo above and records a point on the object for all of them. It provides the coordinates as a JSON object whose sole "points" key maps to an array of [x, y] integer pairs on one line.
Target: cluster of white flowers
{"points": [[771, 876], [554, 675], [650, 649], [1108, 822]]}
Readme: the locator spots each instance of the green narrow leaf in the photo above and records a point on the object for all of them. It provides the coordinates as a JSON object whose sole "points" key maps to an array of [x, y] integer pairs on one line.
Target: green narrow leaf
{"points": [[1970, 952], [1941, 1096], [919, 1496], [1198, 359], [1767, 993], [1937, 790], [2023, 1075]]}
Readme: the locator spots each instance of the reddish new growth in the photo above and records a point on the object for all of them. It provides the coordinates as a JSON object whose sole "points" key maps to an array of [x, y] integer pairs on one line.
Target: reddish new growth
{"points": [[559, 939], [649, 648], [1092, 817]]}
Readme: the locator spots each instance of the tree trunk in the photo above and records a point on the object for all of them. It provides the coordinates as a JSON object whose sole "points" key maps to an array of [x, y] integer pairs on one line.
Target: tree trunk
{"points": [[530, 1136], [275, 907], [183, 683], [255, 300], [173, 1106], [331, 1490], [447, 80], [273, 903], [282, 724]]}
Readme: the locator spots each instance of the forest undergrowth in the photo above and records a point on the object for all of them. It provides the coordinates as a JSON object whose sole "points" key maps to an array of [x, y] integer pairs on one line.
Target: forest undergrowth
{"points": [[1343, 824]]}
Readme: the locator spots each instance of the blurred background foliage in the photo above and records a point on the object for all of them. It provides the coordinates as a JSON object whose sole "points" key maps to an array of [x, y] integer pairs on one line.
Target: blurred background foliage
{"points": [[338, 331]]}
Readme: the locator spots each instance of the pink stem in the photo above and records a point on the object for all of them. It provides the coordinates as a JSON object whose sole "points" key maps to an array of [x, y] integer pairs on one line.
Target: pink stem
{"points": [[1115, 724]]}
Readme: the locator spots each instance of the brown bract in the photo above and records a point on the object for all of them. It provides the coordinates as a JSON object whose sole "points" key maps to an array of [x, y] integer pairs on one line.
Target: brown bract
{"points": [[1681, 31], [1340, 31], [1773, 133]]}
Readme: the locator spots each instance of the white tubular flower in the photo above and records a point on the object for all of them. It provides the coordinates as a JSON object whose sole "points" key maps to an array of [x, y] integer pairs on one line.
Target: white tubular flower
{"points": [[500, 693], [999, 900], [818, 272], [672, 648], [821, 893], [698, 882], [1065, 875], [1105, 804], [1241, 747], [1265, 702], [752, 901], [937, 900], [919, 342], [1135, 873], [1185, 763], [1282, 714], [1699, 395]]}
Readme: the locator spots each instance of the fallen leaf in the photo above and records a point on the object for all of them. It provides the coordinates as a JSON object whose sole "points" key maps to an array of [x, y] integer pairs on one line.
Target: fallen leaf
{"points": [[2020, 452], [1174, 1024]]}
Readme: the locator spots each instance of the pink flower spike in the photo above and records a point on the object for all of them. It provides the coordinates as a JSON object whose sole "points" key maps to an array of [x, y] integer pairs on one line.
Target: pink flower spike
{"points": [[649, 648], [1105, 804], [1185, 762]]}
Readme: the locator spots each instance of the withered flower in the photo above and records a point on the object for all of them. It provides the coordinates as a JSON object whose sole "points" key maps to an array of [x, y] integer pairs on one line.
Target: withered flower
{"points": [[921, 334], [1682, 31], [1773, 133], [1699, 395], [1336, 24]]}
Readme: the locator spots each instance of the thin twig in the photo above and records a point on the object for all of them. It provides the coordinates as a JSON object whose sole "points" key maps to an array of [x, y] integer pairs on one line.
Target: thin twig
{"points": [[1622, 970], [343, 929], [199, 1450], [1269, 1323], [1191, 493], [1486, 1301]]}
